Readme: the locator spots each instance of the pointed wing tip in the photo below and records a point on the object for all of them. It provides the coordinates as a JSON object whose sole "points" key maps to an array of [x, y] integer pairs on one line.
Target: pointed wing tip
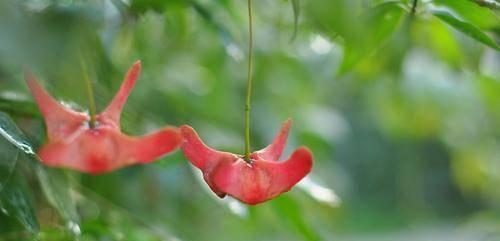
{"points": [[28, 76], [286, 125], [158, 144], [274, 150], [115, 107], [185, 126], [186, 131], [195, 150], [137, 64], [173, 134], [134, 71], [305, 151], [304, 156], [189, 137]]}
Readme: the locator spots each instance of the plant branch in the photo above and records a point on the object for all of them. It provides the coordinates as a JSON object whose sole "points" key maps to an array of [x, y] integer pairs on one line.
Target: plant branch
{"points": [[249, 83], [492, 4]]}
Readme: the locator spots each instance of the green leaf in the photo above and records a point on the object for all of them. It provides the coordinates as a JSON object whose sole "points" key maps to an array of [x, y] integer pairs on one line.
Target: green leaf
{"points": [[289, 210], [334, 18], [442, 41], [15, 202], [223, 32], [472, 12], [56, 188], [10, 103], [381, 21], [10, 131], [466, 28], [296, 15], [8, 159]]}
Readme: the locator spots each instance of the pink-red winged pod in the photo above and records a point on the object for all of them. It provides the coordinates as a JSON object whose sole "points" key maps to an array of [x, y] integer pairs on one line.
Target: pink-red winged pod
{"points": [[73, 143], [250, 182]]}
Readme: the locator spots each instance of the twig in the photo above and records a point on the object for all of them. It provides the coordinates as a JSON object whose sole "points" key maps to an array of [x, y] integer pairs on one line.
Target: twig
{"points": [[492, 4]]}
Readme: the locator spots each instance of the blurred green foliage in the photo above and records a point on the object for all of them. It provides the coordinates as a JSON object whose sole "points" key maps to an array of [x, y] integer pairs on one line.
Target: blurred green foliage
{"points": [[399, 101]]}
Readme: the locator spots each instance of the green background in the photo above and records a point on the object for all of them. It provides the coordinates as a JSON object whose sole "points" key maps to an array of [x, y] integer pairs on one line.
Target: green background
{"points": [[399, 103]]}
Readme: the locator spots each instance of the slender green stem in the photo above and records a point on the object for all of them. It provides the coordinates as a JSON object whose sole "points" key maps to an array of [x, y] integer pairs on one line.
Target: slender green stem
{"points": [[249, 83], [90, 94]]}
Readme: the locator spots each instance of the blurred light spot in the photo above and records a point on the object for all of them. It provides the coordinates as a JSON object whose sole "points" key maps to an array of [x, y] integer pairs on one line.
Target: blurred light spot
{"points": [[74, 228], [11, 95], [37, 5], [422, 72], [319, 193], [320, 45], [72, 105], [184, 73], [326, 123], [119, 235], [489, 63], [111, 12], [236, 207], [234, 52]]}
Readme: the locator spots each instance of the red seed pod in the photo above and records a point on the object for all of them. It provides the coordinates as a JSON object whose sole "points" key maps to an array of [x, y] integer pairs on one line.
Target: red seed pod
{"points": [[73, 144], [252, 183]]}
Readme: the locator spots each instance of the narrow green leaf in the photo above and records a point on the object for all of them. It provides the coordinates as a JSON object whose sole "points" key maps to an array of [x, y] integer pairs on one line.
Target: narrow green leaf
{"points": [[10, 103], [296, 15], [289, 210], [15, 202], [466, 28], [56, 188], [8, 159], [10, 131], [442, 41], [472, 12]]}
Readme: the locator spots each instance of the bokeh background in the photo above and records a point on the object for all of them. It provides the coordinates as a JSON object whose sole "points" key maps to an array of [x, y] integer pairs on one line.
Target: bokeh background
{"points": [[398, 100]]}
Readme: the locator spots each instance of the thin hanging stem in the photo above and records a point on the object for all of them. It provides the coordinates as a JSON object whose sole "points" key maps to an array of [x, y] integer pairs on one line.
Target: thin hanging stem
{"points": [[249, 83], [90, 94]]}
